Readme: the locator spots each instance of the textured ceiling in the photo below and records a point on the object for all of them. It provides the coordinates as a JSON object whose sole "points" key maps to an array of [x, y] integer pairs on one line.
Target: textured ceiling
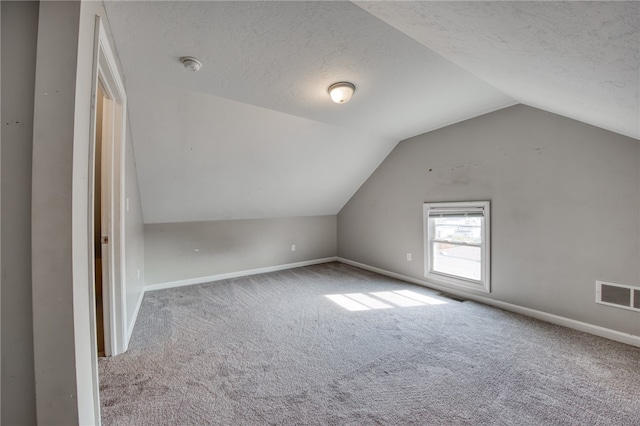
{"points": [[254, 133], [577, 59]]}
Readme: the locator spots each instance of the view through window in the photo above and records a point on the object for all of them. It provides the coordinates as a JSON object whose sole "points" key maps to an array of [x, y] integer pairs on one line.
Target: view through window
{"points": [[456, 243]]}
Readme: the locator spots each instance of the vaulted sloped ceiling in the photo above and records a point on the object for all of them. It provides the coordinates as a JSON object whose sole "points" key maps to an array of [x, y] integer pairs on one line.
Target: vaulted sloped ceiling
{"points": [[577, 59], [254, 133]]}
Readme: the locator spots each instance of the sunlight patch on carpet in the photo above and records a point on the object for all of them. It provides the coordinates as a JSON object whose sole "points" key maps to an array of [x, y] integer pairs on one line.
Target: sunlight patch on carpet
{"points": [[382, 300]]}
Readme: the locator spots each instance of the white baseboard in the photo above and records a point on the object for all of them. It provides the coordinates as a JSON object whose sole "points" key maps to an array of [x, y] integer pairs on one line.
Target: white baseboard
{"points": [[225, 276], [618, 336]]}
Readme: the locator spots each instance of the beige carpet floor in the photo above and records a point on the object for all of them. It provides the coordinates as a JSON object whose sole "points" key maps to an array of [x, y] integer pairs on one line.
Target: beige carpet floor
{"points": [[274, 349]]}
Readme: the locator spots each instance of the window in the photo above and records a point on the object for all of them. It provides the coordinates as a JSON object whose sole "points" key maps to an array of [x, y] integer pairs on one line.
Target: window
{"points": [[456, 244]]}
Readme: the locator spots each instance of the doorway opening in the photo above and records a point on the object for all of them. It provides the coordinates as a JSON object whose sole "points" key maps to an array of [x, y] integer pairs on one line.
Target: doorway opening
{"points": [[107, 243], [106, 208], [97, 223]]}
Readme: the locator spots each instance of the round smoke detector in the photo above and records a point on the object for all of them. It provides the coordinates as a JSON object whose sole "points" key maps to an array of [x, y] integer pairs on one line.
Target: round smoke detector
{"points": [[190, 63]]}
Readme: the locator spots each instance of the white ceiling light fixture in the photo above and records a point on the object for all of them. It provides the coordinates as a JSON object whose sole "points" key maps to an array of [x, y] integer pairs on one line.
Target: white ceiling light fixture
{"points": [[341, 92], [190, 63]]}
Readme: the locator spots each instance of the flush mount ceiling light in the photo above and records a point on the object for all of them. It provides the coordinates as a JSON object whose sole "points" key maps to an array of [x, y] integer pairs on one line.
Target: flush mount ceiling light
{"points": [[190, 63], [341, 92]]}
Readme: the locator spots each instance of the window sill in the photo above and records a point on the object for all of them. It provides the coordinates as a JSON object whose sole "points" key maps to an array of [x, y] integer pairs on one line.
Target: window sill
{"points": [[458, 283]]}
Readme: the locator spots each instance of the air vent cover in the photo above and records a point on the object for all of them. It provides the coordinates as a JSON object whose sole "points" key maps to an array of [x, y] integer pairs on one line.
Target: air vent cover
{"points": [[618, 295]]}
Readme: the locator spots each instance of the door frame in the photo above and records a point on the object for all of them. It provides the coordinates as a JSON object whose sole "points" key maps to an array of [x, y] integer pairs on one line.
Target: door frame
{"points": [[107, 74]]}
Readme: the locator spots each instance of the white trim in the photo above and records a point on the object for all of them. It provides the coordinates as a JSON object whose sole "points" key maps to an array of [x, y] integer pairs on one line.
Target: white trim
{"points": [[225, 276], [106, 73], [607, 333], [113, 78], [95, 380]]}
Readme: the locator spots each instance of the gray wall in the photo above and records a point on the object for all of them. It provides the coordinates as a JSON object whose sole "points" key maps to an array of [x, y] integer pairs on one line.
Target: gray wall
{"points": [[61, 328], [234, 245], [45, 271], [564, 204], [19, 35], [134, 236]]}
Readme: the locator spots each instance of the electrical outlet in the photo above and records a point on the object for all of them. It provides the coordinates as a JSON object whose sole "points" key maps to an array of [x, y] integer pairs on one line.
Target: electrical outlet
{"points": [[293, 247], [409, 256]]}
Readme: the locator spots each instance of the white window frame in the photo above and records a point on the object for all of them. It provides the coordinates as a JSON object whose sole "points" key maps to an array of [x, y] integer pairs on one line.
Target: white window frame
{"points": [[464, 207]]}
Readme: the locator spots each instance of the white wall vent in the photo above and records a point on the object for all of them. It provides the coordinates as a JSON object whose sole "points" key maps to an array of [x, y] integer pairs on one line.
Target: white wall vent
{"points": [[618, 295]]}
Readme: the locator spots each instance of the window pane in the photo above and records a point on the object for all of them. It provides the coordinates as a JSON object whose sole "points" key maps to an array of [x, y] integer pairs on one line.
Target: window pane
{"points": [[462, 229], [461, 261]]}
